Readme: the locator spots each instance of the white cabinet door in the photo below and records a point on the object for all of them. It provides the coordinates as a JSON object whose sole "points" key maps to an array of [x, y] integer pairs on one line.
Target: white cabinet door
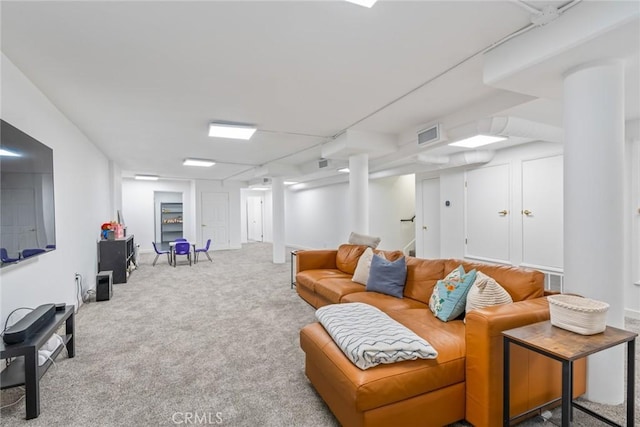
{"points": [[488, 214], [542, 212], [430, 227]]}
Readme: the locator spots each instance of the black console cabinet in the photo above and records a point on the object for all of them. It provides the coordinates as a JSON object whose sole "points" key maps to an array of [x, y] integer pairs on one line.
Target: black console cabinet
{"points": [[116, 255]]}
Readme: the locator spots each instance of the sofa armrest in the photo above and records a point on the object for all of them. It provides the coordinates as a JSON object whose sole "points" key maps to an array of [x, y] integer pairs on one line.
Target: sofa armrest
{"points": [[316, 259], [484, 365]]}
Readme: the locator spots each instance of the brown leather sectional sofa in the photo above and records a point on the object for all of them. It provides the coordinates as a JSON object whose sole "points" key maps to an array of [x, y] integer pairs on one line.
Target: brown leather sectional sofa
{"points": [[463, 382]]}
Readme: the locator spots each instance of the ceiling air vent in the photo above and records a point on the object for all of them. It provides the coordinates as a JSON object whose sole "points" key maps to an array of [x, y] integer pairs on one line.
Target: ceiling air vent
{"points": [[429, 136], [323, 163]]}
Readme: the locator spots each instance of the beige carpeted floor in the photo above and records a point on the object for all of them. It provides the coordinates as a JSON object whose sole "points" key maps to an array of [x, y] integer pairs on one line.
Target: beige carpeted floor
{"points": [[215, 343]]}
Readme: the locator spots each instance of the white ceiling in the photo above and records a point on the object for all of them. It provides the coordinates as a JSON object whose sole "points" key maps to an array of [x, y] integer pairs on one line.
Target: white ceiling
{"points": [[143, 79]]}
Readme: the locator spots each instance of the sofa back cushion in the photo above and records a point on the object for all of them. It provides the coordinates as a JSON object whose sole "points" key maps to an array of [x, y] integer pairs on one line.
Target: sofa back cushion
{"points": [[348, 256], [422, 275], [521, 283]]}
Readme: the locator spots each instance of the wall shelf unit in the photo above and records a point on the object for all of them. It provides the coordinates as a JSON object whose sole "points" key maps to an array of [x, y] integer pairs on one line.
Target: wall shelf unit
{"points": [[170, 222]]}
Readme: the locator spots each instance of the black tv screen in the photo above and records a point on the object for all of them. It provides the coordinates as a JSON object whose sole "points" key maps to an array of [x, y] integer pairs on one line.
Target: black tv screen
{"points": [[27, 208]]}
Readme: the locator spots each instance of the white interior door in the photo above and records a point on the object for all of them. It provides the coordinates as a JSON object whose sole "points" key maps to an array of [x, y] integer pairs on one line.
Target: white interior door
{"points": [[430, 227], [488, 214], [254, 219], [542, 212], [215, 219]]}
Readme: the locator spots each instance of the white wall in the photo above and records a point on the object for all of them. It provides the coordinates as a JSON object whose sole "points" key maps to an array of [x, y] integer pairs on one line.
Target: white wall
{"points": [[318, 217], [139, 210], [82, 200]]}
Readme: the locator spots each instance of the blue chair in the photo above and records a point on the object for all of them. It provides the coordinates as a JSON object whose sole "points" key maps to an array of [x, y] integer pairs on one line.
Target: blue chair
{"points": [[181, 248], [26, 253], [181, 240], [205, 250], [4, 257], [160, 252]]}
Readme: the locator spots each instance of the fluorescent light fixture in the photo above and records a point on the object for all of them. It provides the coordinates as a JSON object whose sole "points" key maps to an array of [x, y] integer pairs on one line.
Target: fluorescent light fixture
{"points": [[199, 162], [147, 177], [231, 130], [290, 183], [344, 170], [260, 188], [8, 153], [477, 141], [365, 3]]}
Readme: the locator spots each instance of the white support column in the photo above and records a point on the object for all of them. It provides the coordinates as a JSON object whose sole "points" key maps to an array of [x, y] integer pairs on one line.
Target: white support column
{"points": [[359, 193], [593, 207], [277, 189]]}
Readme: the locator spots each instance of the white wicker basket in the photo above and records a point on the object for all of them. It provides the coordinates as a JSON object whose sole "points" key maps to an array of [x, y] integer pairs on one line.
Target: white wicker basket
{"points": [[583, 316]]}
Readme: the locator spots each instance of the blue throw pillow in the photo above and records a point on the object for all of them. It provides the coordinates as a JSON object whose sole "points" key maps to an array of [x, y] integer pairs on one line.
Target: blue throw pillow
{"points": [[449, 296], [387, 277]]}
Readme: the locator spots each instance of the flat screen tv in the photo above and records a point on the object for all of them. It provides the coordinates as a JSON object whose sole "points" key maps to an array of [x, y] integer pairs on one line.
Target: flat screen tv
{"points": [[27, 209]]}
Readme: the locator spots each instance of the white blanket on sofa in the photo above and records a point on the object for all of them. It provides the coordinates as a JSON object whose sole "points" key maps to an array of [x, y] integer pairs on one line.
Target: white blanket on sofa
{"points": [[368, 337]]}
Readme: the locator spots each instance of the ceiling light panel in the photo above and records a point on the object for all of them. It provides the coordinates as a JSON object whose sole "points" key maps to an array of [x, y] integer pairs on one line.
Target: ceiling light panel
{"points": [[147, 177], [232, 131], [203, 163], [477, 141], [365, 3], [7, 153]]}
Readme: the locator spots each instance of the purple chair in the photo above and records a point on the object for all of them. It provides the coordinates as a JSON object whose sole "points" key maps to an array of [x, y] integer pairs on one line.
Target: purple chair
{"points": [[4, 256], [181, 248], [205, 250], [160, 252], [26, 253]]}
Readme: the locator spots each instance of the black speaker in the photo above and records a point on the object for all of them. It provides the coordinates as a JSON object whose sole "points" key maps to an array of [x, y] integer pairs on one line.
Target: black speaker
{"points": [[104, 285]]}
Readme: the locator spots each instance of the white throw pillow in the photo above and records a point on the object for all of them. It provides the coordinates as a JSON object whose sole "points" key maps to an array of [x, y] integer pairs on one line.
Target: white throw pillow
{"points": [[361, 274], [363, 239], [486, 292]]}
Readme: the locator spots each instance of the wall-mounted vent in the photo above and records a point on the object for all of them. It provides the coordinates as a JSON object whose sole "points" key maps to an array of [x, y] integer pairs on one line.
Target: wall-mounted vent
{"points": [[266, 180], [430, 136], [323, 163]]}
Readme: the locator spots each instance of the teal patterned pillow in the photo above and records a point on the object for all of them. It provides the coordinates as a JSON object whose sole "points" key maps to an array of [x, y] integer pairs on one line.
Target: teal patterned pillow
{"points": [[449, 296]]}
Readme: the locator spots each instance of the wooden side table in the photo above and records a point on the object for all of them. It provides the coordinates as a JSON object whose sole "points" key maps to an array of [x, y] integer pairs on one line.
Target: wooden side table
{"points": [[567, 347]]}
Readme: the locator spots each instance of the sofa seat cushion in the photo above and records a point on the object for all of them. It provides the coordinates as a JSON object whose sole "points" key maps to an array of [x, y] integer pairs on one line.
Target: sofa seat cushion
{"points": [[308, 278], [384, 302], [384, 384], [332, 289], [369, 337]]}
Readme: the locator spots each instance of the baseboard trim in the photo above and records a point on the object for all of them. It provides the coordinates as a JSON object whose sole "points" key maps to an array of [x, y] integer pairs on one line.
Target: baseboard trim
{"points": [[633, 314]]}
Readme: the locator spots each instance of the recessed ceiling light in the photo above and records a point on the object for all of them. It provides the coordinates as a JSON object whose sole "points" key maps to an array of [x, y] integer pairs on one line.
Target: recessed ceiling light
{"points": [[260, 188], [231, 130], [198, 162], [477, 141], [290, 182], [343, 170], [365, 3], [8, 153], [147, 177]]}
